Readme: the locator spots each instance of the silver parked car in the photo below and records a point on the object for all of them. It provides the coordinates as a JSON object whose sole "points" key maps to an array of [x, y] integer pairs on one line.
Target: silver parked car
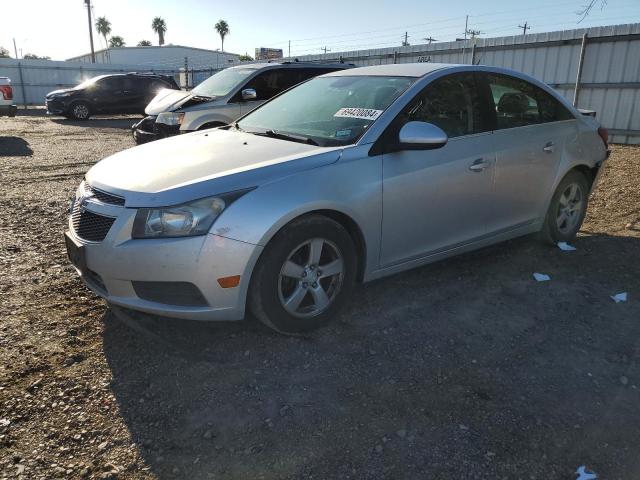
{"points": [[222, 98], [345, 178]]}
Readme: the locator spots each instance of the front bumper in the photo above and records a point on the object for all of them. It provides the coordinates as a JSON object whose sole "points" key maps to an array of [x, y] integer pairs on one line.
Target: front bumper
{"points": [[56, 106], [111, 268], [8, 110], [147, 130]]}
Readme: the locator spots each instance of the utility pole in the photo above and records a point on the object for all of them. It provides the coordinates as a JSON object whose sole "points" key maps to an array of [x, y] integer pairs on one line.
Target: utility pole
{"points": [[405, 42], [524, 28], [15, 50], [430, 39], [466, 28], [325, 50], [289, 55], [93, 53]]}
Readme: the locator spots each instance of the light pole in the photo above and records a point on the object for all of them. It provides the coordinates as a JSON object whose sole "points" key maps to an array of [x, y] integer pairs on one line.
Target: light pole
{"points": [[93, 53]]}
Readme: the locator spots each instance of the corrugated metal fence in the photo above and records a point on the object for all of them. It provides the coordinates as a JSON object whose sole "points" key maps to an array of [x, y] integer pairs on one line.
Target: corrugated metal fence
{"points": [[607, 78], [609, 81]]}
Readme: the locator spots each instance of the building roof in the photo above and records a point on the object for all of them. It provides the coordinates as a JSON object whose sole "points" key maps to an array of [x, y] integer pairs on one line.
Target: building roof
{"points": [[155, 47]]}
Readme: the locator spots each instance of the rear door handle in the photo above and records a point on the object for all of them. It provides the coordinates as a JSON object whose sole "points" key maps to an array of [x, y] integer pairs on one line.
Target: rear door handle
{"points": [[549, 147], [479, 165]]}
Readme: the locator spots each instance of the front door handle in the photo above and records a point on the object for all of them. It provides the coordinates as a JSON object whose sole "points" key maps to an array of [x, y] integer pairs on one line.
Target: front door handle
{"points": [[549, 147], [479, 165]]}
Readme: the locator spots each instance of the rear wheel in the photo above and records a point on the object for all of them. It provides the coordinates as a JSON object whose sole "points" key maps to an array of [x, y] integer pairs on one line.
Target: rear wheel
{"points": [[303, 276], [567, 209], [80, 111]]}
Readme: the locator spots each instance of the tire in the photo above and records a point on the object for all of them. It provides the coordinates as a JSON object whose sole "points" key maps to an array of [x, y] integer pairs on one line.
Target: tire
{"points": [[80, 111], [289, 291], [567, 209]]}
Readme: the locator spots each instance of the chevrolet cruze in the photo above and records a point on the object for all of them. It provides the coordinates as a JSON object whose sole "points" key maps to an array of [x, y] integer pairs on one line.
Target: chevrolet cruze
{"points": [[346, 178]]}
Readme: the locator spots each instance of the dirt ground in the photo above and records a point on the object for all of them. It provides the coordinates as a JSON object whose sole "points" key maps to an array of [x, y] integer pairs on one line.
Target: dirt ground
{"points": [[467, 368]]}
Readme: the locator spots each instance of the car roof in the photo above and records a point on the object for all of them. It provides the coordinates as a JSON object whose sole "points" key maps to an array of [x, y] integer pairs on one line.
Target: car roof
{"points": [[257, 66], [395, 70]]}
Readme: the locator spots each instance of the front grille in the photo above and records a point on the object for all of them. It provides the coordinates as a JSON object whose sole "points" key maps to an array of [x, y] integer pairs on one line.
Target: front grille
{"points": [[103, 197], [88, 225], [182, 294]]}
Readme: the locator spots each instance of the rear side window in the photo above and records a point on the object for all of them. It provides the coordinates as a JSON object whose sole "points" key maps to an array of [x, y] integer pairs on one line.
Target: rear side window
{"points": [[453, 103], [518, 103]]}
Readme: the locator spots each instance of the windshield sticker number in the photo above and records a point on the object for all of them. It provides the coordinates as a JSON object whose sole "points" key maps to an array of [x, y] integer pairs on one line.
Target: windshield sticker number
{"points": [[364, 113]]}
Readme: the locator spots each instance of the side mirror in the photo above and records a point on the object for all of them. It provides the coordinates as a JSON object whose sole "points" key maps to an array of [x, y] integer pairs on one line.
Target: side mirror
{"points": [[421, 136], [249, 94]]}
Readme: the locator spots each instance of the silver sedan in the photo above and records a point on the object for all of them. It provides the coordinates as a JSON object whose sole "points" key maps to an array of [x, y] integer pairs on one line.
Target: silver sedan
{"points": [[345, 178]]}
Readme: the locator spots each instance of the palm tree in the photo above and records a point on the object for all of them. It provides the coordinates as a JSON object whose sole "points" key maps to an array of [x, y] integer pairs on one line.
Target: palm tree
{"points": [[160, 27], [116, 41], [222, 28], [103, 26], [144, 43]]}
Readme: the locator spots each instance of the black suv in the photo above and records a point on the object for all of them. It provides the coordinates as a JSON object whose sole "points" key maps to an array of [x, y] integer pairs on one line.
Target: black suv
{"points": [[118, 93]]}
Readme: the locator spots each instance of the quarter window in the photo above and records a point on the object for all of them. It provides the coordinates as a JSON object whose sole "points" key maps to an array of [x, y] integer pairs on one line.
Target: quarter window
{"points": [[452, 103]]}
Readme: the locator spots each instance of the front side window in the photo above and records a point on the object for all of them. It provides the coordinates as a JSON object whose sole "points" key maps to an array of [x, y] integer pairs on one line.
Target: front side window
{"points": [[452, 103], [329, 111]]}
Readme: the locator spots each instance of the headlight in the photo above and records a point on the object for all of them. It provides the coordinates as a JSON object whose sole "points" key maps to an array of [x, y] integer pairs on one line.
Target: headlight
{"points": [[170, 118], [188, 219]]}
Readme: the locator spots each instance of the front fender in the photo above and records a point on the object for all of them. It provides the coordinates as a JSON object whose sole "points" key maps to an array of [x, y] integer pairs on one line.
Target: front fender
{"points": [[194, 120], [256, 217]]}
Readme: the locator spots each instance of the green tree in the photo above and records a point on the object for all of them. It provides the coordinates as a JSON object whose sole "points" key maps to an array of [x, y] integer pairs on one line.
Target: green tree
{"points": [[144, 43], [4, 53], [103, 26], [160, 27], [222, 27], [245, 58], [116, 41], [33, 56]]}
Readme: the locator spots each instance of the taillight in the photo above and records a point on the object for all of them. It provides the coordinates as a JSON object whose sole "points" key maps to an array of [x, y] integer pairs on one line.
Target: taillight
{"points": [[7, 92], [604, 135]]}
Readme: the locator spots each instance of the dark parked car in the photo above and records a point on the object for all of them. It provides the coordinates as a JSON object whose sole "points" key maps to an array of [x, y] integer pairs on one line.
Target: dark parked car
{"points": [[118, 93]]}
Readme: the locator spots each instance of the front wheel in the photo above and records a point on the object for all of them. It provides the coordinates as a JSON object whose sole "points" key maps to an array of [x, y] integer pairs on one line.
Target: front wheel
{"points": [[80, 111], [567, 209], [303, 276]]}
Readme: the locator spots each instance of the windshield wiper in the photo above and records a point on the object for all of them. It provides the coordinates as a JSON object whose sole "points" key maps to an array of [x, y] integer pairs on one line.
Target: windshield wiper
{"points": [[202, 97], [288, 136]]}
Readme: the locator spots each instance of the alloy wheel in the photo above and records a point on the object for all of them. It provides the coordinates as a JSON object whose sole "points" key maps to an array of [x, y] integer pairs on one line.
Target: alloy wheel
{"points": [[311, 278], [570, 206], [80, 111]]}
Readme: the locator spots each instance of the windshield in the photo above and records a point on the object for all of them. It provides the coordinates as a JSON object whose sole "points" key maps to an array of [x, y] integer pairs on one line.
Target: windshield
{"points": [[328, 111], [222, 82], [89, 82]]}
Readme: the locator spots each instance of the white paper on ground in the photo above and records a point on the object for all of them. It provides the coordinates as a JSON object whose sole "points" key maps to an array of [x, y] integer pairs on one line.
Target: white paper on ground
{"points": [[583, 474], [541, 277], [565, 247], [619, 297]]}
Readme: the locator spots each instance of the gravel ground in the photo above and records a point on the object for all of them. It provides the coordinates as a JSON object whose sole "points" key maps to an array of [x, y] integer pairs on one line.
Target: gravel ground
{"points": [[467, 368]]}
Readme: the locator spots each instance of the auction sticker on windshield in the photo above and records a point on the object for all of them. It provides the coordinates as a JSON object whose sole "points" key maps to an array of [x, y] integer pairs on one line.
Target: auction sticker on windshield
{"points": [[353, 112]]}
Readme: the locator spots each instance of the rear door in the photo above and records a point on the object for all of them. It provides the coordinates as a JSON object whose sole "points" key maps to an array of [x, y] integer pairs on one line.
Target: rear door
{"points": [[107, 95], [530, 134], [135, 91], [436, 200]]}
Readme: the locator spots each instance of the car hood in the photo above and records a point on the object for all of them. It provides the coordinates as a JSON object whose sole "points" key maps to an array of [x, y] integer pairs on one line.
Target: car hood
{"points": [[200, 164], [168, 100], [62, 90]]}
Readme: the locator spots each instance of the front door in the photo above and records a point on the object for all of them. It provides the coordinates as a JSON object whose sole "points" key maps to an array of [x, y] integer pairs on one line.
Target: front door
{"points": [[435, 200]]}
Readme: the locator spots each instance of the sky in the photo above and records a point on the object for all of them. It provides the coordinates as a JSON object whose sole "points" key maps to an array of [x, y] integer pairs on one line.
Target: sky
{"points": [[59, 29]]}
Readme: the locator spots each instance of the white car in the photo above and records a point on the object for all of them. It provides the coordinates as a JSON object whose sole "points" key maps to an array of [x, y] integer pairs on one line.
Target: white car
{"points": [[7, 107]]}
